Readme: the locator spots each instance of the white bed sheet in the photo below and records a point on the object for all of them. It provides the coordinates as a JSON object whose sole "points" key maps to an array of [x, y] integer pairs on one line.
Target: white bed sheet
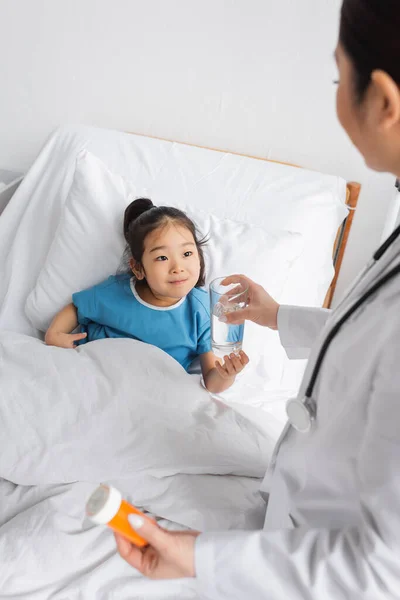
{"points": [[48, 552]]}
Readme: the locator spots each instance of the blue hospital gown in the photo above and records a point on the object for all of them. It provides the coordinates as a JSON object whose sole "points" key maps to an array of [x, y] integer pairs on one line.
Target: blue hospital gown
{"points": [[114, 309]]}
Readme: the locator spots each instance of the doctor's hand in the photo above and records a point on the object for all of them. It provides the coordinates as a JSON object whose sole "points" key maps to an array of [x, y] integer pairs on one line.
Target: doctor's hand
{"points": [[170, 554], [261, 308]]}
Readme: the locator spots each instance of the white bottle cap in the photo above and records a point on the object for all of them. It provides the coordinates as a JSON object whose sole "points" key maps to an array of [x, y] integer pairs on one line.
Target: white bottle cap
{"points": [[103, 504]]}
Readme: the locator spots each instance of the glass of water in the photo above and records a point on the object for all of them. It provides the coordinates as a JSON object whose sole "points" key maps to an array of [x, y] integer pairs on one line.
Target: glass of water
{"points": [[226, 338]]}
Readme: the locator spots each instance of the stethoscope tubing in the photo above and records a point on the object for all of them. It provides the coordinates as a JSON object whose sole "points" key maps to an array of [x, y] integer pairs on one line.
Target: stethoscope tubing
{"points": [[302, 413], [380, 283]]}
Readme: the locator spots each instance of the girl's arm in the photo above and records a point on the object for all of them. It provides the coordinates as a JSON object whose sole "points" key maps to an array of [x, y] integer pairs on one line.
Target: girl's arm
{"points": [[59, 332], [217, 376]]}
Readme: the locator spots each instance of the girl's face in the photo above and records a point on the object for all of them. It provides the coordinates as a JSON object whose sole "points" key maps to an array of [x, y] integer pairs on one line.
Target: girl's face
{"points": [[170, 262]]}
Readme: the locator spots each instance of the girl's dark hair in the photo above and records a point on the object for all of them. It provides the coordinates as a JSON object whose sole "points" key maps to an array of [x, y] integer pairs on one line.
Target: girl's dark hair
{"points": [[142, 217], [370, 35]]}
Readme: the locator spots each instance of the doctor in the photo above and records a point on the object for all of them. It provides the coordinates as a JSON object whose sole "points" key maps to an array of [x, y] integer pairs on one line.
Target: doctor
{"points": [[332, 527]]}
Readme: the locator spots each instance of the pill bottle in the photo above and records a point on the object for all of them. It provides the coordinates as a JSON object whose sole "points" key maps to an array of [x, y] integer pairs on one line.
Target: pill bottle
{"points": [[107, 507]]}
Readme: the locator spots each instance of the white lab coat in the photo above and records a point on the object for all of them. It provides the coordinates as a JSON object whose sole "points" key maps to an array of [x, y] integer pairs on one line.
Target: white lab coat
{"points": [[332, 527]]}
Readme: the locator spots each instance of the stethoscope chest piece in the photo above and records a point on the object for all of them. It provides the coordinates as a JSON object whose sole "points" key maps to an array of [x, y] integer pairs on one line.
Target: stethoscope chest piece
{"points": [[301, 413]]}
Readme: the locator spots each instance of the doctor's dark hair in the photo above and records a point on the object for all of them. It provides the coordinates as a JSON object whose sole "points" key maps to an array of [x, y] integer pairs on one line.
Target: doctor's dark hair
{"points": [[142, 217], [370, 35]]}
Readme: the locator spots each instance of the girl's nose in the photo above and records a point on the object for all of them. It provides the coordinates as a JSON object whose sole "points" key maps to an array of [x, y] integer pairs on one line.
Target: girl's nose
{"points": [[176, 268]]}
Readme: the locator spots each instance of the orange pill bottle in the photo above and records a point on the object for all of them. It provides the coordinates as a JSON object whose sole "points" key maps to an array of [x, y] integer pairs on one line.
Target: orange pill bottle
{"points": [[106, 507]]}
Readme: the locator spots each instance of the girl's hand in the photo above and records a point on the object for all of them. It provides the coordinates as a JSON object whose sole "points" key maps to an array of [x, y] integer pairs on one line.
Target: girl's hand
{"points": [[261, 308], [233, 365], [170, 554], [219, 377], [63, 340], [59, 333]]}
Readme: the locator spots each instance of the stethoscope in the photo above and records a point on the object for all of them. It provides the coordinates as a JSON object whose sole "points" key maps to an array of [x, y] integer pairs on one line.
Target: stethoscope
{"points": [[302, 412]]}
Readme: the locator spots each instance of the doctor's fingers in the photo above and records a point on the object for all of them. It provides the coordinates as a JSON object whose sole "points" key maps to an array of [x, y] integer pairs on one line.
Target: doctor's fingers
{"points": [[170, 557], [237, 317], [129, 552], [240, 279]]}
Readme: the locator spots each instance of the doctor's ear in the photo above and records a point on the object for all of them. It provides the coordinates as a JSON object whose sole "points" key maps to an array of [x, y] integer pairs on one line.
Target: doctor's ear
{"points": [[137, 269], [386, 100]]}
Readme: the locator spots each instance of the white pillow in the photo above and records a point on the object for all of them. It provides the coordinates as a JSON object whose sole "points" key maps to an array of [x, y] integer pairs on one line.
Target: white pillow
{"points": [[233, 247], [89, 243]]}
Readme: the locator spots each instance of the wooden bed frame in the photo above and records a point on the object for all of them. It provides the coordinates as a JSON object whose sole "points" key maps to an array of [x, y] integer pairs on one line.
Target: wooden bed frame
{"points": [[353, 192]]}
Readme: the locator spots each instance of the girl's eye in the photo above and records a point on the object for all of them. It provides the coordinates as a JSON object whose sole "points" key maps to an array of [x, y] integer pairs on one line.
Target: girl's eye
{"points": [[160, 258], [336, 82], [188, 253]]}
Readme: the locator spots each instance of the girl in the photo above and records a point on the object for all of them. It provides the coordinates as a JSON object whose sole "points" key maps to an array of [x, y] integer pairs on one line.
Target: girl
{"points": [[162, 304]]}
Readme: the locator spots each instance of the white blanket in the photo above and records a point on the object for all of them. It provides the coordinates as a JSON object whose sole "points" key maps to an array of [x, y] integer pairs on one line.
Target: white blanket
{"points": [[123, 412], [111, 409]]}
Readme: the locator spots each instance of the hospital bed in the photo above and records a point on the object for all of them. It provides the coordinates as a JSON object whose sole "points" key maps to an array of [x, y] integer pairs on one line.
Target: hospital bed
{"points": [[123, 412]]}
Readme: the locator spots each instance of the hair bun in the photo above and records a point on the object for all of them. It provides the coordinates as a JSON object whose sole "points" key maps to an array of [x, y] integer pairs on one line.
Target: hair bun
{"points": [[134, 210]]}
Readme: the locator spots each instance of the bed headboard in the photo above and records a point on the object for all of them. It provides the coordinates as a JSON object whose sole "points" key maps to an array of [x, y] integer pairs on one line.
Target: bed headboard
{"points": [[353, 192]]}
